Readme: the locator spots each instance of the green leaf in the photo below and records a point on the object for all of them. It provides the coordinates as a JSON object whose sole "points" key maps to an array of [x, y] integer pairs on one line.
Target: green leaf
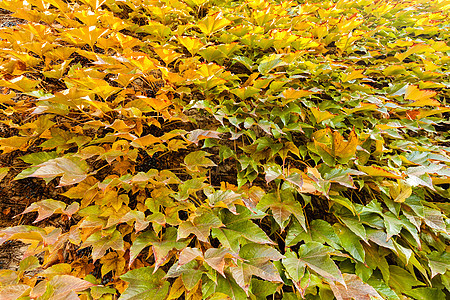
{"points": [[200, 226], [261, 288], [427, 293], [295, 268], [237, 226], [355, 226], [401, 280], [316, 257], [322, 231], [194, 161], [283, 205], [226, 285], [100, 243], [145, 283], [270, 62], [350, 242], [393, 224]]}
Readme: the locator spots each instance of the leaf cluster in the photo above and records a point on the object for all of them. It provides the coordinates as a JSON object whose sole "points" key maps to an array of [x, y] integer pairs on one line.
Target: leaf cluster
{"points": [[206, 149]]}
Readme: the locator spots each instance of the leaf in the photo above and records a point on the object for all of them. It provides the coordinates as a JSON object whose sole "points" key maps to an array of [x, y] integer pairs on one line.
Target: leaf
{"points": [[355, 226], [166, 54], [227, 285], [197, 135], [420, 97], [256, 262], [295, 268], [13, 291], [316, 257], [191, 44], [321, 116], [188, 254], [439, 263], [197, 160], [45, 208], [283, 205], [215, 258], [145, 283], [71, 168], [261, 288], [212, 23], [354, 288], [379, 171], [270, 62], [356, 74], [20, 83], [112, 262], [62, 287], [100, 243], [350, 242], [239, 226], [401, 280], [200, 226]]}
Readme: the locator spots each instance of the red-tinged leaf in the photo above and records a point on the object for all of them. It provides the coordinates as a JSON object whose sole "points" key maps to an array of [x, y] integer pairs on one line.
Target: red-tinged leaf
{"points": [[354, 288], [45, 208], [13, 292], [72, 169], [244, 271], [215, 258], [198, 134], [61, 287], [22, 232], [188, 254], [138, 217]]}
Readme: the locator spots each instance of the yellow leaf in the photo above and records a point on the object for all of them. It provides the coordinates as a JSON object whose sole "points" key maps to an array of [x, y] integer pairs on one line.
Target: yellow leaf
{"points": [[420, 97], [177, 289], [356, 74], [112, 262], [213, 23], [167, 55], [379, 171], [145, 141], [343, 149], [291, 93], [399, 192], [20, 83], [191, 44], [321, 115]]}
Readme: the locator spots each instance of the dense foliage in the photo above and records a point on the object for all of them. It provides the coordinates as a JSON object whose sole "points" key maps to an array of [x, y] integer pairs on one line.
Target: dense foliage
{"points": [[229, 149]]}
